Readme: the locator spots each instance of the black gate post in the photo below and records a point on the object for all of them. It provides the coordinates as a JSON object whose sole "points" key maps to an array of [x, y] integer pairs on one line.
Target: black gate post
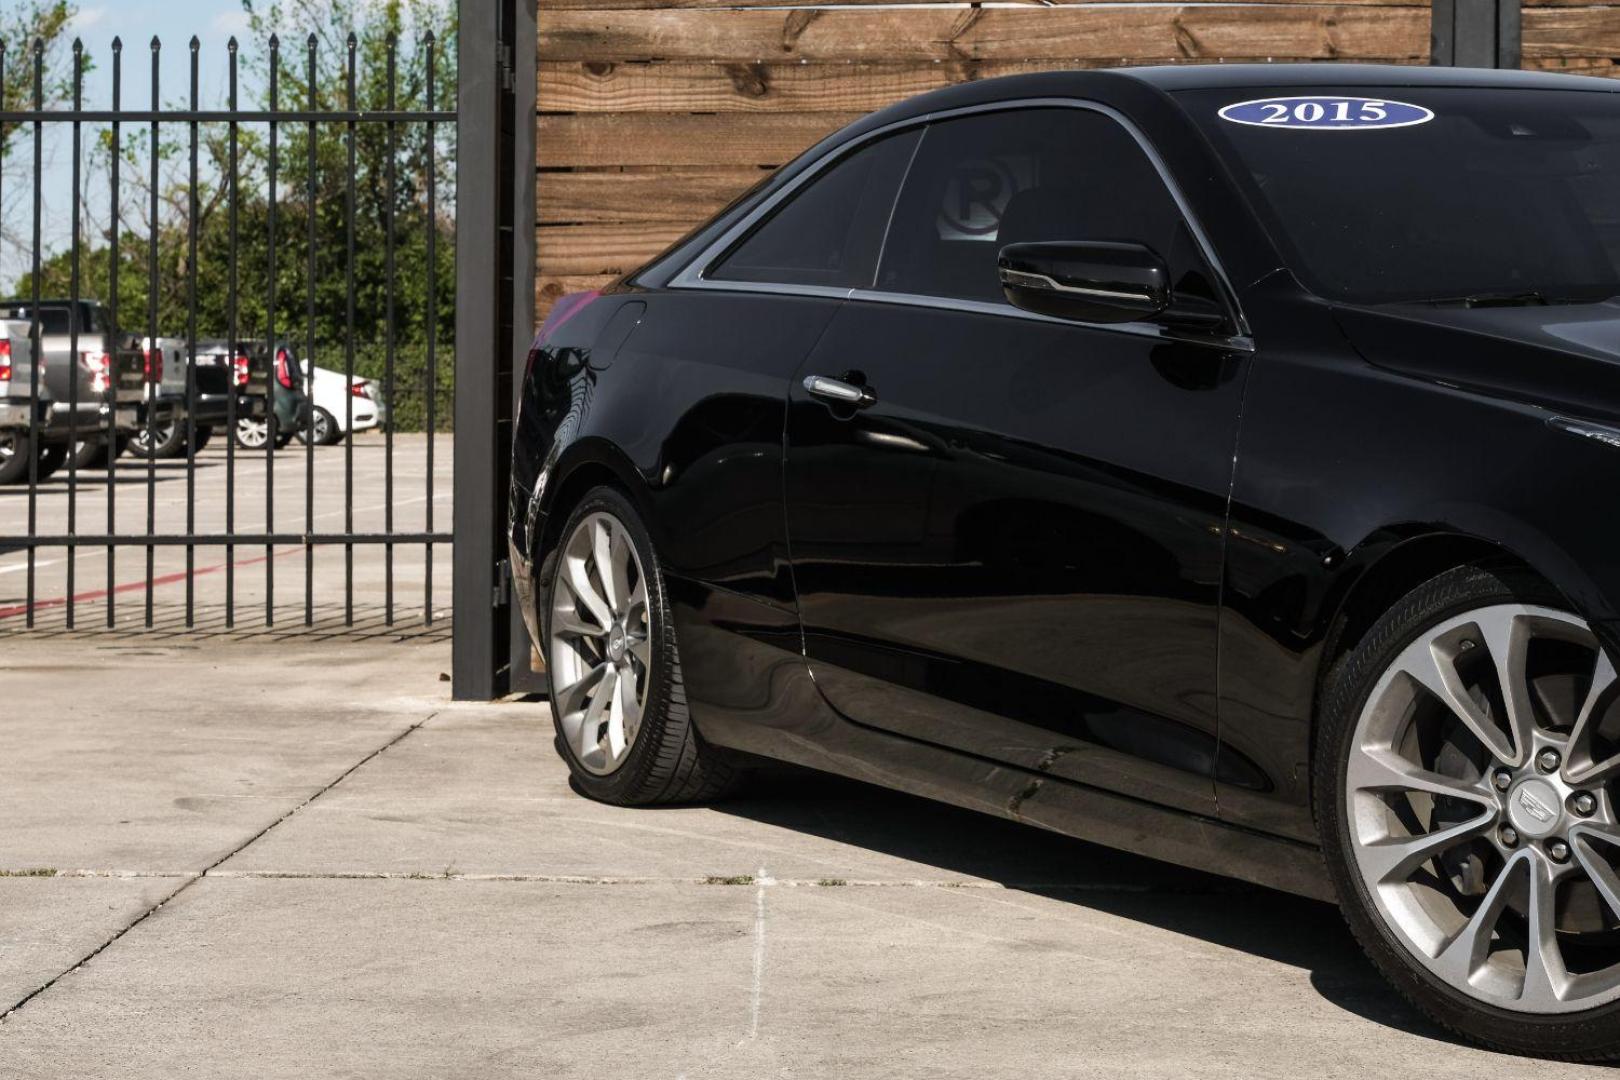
{"points": [[1475, 33], [494, 258]]}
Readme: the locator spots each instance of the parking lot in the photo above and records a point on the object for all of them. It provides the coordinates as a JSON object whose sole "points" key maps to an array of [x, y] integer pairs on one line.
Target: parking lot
{"points": [[220, 861], [255, 566]]}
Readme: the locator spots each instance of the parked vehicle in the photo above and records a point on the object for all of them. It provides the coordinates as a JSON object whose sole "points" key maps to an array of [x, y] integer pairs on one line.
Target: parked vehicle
{"points": [[332, 394], [20, 409], [108, 368], [218, 377], [1207, 461], [281, 374]]}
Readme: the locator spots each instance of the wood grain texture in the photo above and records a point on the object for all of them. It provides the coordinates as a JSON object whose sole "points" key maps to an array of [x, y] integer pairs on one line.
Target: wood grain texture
{"points": [[680, 139], [604, 86], [549, 289], [1571, 32], [682, 196], [580, 250], [548, 6], [1075, 33]]}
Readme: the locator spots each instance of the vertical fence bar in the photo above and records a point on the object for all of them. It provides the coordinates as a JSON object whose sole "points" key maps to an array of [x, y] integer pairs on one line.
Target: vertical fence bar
{"points": [[431, 163], [193, 207], [348, 346], [388, 358], [309, 353], [154, 356], [36, 340], [117, 327], [75, 359], [234, 349], [274, 350]]}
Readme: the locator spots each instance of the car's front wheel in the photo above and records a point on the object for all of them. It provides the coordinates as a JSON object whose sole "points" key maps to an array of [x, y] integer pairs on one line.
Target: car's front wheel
{"points": [[1465, 790], [618, 701]]}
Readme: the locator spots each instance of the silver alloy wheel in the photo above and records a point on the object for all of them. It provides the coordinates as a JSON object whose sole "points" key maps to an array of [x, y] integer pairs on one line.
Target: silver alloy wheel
{"points": [[1477, 796], [8, 446], [160, 432], [252, 434], [601, 643]]}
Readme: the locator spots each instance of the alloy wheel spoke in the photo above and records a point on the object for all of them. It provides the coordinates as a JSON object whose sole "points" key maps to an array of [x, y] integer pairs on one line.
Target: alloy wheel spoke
{"points": [[1507, 639], [1544, 972], [617, 571], [1438, 676], [1394, 859], [629, 701], [1596, 866], [573, 622], [590, 730], [641, 649], [617, 738], [1466, 951], [578, 579], [1382, 769], [1580, 767], [602, 556]]}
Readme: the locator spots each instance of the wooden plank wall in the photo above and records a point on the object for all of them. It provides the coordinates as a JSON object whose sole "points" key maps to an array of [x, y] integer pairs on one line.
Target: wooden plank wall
{"points": [[1578, 36], [654, 113]]}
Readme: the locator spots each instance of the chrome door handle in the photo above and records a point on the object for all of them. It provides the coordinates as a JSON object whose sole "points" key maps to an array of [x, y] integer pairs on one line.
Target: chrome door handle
{"points": [[837, 390]]}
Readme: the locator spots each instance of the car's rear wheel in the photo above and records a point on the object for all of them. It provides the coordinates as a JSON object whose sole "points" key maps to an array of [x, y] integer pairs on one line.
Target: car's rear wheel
{"points": [[14, 453], [618, 701], [166, 440], [326, 430], [1465, 791]]}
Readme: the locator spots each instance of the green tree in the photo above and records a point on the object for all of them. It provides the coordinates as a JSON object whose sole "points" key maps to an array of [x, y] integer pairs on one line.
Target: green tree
{"points": [[22, 25]]}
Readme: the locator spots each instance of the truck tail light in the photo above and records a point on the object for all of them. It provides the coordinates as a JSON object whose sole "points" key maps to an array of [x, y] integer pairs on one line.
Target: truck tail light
{"points": [[153, 365], [99, 365], [283, 369], [241, 367], [5, 361]]}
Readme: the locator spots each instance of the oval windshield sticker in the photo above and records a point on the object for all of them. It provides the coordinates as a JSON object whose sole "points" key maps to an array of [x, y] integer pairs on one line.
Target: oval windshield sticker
{"points": [[1326, 113]]}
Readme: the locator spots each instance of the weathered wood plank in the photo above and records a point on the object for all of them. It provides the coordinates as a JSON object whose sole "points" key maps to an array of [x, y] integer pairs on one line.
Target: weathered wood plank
{"points": [[581, 250], [1604, 66], [665, 139], [1555, 32], [604, 86], [1081, 33], [547, 6], [549, 289], [672, 196]]}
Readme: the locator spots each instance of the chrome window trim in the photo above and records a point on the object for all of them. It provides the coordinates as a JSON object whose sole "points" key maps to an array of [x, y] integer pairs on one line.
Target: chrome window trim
{"points": [[693, 274]]}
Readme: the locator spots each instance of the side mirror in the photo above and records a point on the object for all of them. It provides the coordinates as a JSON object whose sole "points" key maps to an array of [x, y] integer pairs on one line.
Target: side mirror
{"points": [[1089, 281]]}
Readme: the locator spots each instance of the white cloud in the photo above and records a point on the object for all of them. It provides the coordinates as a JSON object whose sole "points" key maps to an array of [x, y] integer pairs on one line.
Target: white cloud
{"points": [[230, 22], [87, 18]]}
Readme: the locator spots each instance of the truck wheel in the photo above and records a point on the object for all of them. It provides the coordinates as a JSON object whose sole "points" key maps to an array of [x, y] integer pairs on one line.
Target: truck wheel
{"points": [[252, 434], [204, 433], [93, 452], [52, 458], [13, 457], [168, 440]]}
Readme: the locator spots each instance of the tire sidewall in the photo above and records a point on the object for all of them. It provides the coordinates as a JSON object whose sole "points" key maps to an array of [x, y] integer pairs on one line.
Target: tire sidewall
{"points": [[620, 784], [1592, 1034]]}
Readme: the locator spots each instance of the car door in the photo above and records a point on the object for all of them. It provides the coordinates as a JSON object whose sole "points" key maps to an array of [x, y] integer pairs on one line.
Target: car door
{"points": [[1008, 539]]}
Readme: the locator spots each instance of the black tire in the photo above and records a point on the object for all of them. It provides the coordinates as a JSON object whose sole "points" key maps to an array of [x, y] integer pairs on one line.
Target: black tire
{"points": [[283, 438], [668, 761], [204, 433], [92, 451], [51, 459], [14, 456], [325, 429], [168, 441], [1592, 1035]]}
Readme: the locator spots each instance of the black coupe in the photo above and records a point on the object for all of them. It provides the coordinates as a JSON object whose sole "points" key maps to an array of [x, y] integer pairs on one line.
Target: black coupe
{"points": [[1206, 461]]}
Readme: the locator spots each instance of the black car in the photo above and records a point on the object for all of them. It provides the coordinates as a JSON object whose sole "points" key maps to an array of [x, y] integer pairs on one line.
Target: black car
{"points": [[1206, 461]]}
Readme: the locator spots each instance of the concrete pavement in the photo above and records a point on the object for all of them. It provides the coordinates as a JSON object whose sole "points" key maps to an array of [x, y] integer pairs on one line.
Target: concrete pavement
{"points": [[223, 860]]}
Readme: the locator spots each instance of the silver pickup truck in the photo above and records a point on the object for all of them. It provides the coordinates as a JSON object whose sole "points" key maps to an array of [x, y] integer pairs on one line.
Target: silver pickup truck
{"points": [[217, 375], [21, 411], [110, 396]]}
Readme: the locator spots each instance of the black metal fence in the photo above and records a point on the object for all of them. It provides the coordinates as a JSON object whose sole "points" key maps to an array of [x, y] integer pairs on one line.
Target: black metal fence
{"points": [[263, 376]]}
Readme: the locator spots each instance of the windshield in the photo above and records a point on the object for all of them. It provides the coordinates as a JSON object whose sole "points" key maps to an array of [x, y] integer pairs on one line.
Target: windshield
{"points": [[1504, 196]]}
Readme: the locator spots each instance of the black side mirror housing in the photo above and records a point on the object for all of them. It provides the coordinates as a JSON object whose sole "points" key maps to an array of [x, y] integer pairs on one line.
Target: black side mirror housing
{"points": [[1088, 281]]}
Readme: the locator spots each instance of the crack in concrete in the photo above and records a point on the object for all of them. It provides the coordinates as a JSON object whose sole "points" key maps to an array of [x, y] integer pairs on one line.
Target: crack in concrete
{"points": [[207, 871]]}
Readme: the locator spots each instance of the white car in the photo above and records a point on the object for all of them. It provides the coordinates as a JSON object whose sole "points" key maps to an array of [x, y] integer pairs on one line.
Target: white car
{"points": [[332, 392]]}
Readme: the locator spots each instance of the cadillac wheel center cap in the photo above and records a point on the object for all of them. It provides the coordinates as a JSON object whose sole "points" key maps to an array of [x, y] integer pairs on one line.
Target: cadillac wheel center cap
{"points": [[1535, 808], [616, 644]]}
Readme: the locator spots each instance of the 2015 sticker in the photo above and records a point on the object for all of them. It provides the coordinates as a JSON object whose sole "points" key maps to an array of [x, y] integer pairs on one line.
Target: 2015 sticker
{"points": [[1318, 113]]}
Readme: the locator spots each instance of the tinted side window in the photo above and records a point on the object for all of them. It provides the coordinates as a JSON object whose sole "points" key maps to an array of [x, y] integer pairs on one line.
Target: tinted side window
{"points": [[829, 233], [983, 181]]}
